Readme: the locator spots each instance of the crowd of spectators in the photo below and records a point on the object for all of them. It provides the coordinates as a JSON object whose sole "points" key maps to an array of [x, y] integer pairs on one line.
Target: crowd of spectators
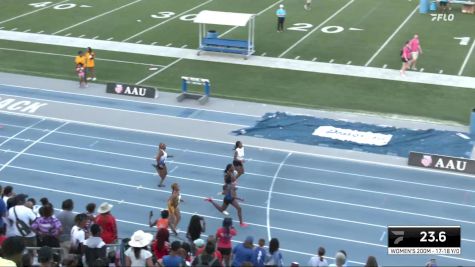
{"points": [[88, 239]]}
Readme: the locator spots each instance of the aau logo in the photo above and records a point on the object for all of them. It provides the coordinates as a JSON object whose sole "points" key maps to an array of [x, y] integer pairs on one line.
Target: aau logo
{"points": [[119, 88], [426, 161]]}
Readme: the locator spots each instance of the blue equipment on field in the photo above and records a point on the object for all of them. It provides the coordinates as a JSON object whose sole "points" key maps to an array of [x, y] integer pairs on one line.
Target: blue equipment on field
{"points": [[202, 98]]}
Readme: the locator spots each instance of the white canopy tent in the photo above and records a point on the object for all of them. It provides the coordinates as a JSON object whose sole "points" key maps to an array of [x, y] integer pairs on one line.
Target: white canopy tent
{"points": [[227, 19]]}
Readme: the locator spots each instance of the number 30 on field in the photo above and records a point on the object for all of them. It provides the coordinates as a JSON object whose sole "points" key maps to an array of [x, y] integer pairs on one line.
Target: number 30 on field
{"points": [[60, 6]]}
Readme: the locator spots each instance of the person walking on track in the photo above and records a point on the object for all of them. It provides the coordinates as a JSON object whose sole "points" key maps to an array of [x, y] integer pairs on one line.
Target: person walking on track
{"points": [[173, 208], [281, 13], [238, 161], [90, 64], [161, 166], [415, 51]]}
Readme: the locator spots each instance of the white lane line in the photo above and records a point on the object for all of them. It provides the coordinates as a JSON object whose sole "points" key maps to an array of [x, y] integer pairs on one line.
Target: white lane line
{"points": [[314, 59], [255, 174], [421, 70], [110, 38], [315, 29], [14, 29], [382, 236], [93, 143], [297, 57], [260, 13], [391, 36], [259, 190], [138, 42], [189, 213], [269, 195], [174, 169], [31, 12], [41, 32], [385, 66], [169, 44], [67, 34], [165, 21], [153, 43], [31, 145], [263, 54], [17, 134], [456, 258], [98, 16], [348, 63], [183, 46], [81, 36], [331, 60], [65, 55], [95, 37], [466, 58], [417, 171], [158, 71], [123, 110], [27, 30]]}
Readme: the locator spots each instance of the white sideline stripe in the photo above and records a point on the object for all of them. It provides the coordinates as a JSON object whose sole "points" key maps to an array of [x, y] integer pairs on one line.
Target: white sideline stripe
{"points": [[466, 58], [158, 71], [269, 195], [260, 13], [189, 213], [250, 188], [255, 61], [314, 29], [98, 16], [391, 36], [457, 258], [165, 21], [64, 55], [31, 12], [17, 134], [416, 170], [123, 110], [129, 100], [102, 180], [31, 145], [253, 174]]}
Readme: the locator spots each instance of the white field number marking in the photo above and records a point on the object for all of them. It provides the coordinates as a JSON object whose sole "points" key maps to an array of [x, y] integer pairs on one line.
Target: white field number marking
{"points": [[169, 14], [463, 40], [58, 7], [304, 27]]}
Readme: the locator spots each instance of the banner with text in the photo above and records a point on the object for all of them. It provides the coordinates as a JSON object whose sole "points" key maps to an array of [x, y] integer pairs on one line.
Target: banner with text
{"points": [[131, 90], [442, 162]]}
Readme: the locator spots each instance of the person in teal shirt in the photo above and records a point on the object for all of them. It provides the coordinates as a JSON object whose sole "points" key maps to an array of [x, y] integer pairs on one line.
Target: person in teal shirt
{"points": [[281, 13]]}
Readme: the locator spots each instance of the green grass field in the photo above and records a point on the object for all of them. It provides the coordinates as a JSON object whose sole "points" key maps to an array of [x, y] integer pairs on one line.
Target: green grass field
{"points": [[356, 32]]}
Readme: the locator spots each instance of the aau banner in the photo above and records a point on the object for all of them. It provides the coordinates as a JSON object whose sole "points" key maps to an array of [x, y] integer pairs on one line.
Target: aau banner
{"points": [[132, 90], [442, 163]]}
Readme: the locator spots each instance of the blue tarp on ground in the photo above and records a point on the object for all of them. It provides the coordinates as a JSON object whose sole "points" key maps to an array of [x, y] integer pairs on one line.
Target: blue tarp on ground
{"points": [[359, 136]]}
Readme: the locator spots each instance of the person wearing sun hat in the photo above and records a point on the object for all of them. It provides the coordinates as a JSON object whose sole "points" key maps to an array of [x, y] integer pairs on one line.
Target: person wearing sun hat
{"points": [[137, 254], [107, 223]]}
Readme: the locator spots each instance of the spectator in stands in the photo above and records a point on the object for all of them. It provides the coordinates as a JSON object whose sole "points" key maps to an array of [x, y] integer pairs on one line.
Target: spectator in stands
{"points": [[90, 64], [20, 219], [274, 257], [78, 234], [94, 246], [281, 13], [201, 245], [70, 261], [107, 222], [160, 223], [207, 258], [260, 254], [371, 262], [318, 261], [346, 257], [47, 227], [66, 217], [340, 260], [224, 236], [90, 208], [7, 193], [3, 229], [161, 166], [173, 259], [161, 246], [3, 213], [196, 226], [238, 160], [45, 257], [243, 252], [31, 203], [137, 254], [173, 207], [431, 263], [12, 250], [186, 250]]}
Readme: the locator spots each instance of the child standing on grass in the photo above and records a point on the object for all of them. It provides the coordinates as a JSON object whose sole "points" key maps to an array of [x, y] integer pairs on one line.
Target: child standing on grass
{"points": [[82, 75]]}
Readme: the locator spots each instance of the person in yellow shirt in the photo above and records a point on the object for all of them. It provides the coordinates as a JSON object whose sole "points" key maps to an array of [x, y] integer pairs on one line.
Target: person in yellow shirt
{"points": [[90, 64], [80, 59]]}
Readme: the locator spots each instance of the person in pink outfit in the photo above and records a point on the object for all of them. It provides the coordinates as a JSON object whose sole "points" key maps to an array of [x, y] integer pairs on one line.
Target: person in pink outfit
{"points": [[415, 51]]}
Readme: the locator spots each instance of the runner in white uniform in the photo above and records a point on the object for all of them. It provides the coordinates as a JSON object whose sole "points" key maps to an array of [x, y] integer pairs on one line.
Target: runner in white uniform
{"points": [[161, 167], [238, 161]]}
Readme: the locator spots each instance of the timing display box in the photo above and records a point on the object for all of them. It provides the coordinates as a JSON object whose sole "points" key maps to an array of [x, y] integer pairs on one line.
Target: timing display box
{"points": [[424, 240]]}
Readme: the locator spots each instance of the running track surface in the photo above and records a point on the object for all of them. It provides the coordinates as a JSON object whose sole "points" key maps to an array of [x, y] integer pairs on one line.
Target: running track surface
{"points": [[314, 201]]}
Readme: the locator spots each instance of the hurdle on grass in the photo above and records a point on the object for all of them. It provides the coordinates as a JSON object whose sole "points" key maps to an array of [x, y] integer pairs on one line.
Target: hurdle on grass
{"points": [[186, 81]]}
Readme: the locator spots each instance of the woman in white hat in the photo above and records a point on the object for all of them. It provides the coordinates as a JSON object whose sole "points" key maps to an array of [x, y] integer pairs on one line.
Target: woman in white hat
{"points": [[137, 254], [107, 222]]}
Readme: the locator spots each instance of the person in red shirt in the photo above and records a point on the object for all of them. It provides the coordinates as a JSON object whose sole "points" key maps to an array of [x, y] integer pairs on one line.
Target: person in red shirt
{"points": [[107, 222], [223, 236], [161, 245]]}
